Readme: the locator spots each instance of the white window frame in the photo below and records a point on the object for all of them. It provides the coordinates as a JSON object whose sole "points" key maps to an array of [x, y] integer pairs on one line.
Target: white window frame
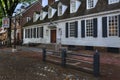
{"points": [[90, 4], [90, 29], [49, 12], [115, 34], [72, 6], [113, 1], [34, 17], [28, 19], [69, 29], [41, 15], [60, 11]]}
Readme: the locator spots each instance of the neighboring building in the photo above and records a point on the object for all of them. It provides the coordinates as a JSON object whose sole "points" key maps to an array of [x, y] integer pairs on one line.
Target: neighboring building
{"points": [[88, 24], [3, 36], [23, 18]]}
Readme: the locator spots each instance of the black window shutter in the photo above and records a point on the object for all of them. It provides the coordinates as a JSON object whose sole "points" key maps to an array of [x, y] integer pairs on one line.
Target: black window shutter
{"points": [[104, 26], [83, 28], [34, 32], [76, 29], [28, 33], [37, 32], [95, 27], [25, 33], [41, 35], [119, 25], [66, 30], [31, 33]]}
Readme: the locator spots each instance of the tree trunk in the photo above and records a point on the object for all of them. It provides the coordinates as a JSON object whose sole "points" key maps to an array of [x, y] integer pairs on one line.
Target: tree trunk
{"points": [[9, 34]]}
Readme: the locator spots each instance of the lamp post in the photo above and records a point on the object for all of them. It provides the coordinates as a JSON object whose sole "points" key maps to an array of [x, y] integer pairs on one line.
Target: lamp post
{"points": [[15, 33], [14, 46]]}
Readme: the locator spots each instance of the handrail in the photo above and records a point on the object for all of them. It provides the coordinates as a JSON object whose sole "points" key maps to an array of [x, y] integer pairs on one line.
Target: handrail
{"points": [[63, 56], [83, 55]]}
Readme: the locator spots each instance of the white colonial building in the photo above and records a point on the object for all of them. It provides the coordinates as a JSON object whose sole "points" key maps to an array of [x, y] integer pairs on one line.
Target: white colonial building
{"points": [[92, 24]]}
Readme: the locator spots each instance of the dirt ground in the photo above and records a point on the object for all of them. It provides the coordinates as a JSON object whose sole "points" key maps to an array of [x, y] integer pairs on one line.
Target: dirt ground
{"points": [[109, 67]]}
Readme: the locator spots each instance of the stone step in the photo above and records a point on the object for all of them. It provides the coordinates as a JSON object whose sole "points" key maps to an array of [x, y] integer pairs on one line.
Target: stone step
{"points": [[48, 46]]}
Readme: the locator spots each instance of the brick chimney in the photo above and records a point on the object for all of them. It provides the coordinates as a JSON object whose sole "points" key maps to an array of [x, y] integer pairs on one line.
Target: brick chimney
{"points": [[50, 2]]}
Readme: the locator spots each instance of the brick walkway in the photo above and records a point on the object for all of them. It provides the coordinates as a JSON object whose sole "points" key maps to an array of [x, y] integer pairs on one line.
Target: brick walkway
{"points": [[26, 64], [110, 62]]}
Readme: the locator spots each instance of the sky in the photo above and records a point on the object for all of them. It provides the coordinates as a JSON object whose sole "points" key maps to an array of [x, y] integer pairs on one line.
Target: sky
{"points": [[45, 2]]}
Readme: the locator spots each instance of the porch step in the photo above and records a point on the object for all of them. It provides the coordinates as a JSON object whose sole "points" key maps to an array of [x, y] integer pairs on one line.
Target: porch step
{"points": [[48, 46]]}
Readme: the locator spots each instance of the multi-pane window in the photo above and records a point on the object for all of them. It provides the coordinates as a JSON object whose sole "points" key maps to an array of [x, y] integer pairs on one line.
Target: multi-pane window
{"points": [[41, 15], [73, 5], [27, 33], [90, 3], [49, 12], [72, 29], [41, 32], [89, 27], [34, 32], [113, 25], [28, 19], [60, 10], [113, 1]]}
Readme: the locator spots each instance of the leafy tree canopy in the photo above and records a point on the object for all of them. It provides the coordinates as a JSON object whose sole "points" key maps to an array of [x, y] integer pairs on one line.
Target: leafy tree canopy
{"points": [[7, 7]]}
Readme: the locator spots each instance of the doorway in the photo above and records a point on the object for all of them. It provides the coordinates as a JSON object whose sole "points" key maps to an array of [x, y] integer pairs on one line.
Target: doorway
{"points": [[53, 36]]}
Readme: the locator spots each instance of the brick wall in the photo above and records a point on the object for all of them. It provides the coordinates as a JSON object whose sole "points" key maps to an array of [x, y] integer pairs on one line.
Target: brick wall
{"points": [[50, 2], [22, 20], [29, 12]]}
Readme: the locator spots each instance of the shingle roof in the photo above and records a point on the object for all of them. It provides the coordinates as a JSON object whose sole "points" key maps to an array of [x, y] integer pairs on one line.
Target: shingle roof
{"points": [[101, 6]]}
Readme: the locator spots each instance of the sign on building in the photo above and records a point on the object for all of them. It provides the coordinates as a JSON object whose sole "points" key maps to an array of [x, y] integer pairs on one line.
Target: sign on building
{"points": [[5, 22]]}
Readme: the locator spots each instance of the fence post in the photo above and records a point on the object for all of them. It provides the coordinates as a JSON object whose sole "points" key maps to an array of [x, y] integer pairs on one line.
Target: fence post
{"points": [[63, 63], [96, 64], [44, 54]]}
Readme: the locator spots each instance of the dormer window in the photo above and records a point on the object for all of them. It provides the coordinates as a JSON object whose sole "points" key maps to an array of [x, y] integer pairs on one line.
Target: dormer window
{"points": [[61, 9], [113, 1], [28, 19], [51, 12], [36, 15], [91, 3], [60, 12], [42, 14], [74, 5]]}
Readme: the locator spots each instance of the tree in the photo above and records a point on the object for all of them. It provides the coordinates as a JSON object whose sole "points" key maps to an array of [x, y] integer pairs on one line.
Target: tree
{"points": [[0, 17], [7, 9]]}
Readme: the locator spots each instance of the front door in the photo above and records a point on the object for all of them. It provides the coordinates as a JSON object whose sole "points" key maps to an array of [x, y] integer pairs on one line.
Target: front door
{"points": [[53, 36]]}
